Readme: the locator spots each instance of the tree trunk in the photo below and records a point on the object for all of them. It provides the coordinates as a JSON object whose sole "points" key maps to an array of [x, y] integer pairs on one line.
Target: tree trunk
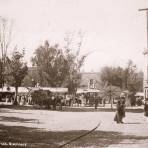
{"points": [[111, 101], [16, 93]]}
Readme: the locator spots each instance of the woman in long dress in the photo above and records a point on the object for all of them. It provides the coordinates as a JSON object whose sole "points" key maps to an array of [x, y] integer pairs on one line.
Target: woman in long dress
{"points": [[120, 111], [146, 110]]}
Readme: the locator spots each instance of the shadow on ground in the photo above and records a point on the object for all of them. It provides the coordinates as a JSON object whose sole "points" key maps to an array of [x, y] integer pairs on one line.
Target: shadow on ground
{"points": [[16, 119], [73, 109], [36, 138], [16, 107], [132, 122]]}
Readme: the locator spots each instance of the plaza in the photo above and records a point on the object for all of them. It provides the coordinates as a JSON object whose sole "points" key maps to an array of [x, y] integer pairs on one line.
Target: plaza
{"points": [[43, 128]]}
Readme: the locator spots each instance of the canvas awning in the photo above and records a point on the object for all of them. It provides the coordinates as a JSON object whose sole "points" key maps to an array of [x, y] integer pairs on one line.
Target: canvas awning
{"points": [[87, 91], [55, 89], [51, 89], [139, 94], [12, 90]]}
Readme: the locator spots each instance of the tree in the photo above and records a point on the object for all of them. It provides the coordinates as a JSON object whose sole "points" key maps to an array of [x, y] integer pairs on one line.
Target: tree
{"points": [[17, 70], [127, 78], [130, 76], [32, 78], [110, 92], [74, 75], [75, 60], [112, 76], [5, 39], [60, 67], [52, 65]]}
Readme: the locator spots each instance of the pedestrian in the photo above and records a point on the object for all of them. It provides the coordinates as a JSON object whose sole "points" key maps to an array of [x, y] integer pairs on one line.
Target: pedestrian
{"points": [[103, 101], [123, 106], [96, 101], [61, 102], [146, 109], [120, 110], [53, 99]]}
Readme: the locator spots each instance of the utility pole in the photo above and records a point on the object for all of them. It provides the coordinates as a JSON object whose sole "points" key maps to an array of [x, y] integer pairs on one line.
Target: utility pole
{"points": [[110, 96], [146, 9], [145, 82]]}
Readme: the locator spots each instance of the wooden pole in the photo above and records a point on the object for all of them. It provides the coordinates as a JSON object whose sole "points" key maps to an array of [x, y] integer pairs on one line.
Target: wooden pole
{"points": [[147, 26], [146, 9], [146, 53]]}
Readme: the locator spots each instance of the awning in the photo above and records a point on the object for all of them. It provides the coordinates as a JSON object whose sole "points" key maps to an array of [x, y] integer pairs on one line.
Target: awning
{"points": [[56, 90], [79, 91], [139, 94], [53, 89], [12, 89]]}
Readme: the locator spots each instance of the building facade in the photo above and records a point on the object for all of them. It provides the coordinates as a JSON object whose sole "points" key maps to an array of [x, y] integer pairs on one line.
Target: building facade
{"points": [[90, 80]]}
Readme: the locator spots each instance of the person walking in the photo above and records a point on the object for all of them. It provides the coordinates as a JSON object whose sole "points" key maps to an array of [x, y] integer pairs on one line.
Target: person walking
{"points": [[97, 98], [53, 99], [96, 102], [120, 111], [103, 101], [146, 110]]}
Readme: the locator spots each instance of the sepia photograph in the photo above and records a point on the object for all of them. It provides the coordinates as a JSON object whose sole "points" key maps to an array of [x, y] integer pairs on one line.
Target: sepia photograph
{"points": [[73, 73]]}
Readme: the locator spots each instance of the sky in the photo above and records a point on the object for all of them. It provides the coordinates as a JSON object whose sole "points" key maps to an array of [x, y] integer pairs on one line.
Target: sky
{"points": [[114, 30]]}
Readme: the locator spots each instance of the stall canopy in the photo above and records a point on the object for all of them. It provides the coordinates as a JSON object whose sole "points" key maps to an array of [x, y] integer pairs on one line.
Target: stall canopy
{"points": [[51, 89], [56, 89], [79, 91], [12, 89], [139, 94], [21, 90], [25, 90]]}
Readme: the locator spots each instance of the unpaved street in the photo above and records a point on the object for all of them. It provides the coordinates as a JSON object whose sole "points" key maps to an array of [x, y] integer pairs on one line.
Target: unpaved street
{"points": [[134, 123]]}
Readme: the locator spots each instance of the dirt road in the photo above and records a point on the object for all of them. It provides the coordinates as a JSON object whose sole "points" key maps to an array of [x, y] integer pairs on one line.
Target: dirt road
{"points": [[134, 130]]}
